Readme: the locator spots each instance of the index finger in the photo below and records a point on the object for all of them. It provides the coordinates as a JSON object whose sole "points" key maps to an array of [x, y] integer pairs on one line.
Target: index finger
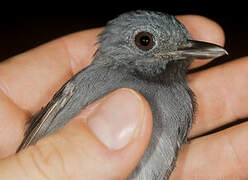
{"points": [[30, 79]]}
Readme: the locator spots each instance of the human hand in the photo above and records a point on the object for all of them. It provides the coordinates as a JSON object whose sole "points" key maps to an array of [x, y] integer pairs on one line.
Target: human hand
{"points": [[29, 80]]}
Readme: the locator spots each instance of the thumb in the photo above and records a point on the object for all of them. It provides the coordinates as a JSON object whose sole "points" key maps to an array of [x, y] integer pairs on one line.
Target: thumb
{"points": [[105, 141]]}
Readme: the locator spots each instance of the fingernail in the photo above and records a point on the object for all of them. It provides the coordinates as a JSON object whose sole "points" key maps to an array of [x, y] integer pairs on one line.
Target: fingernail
{"points": [[117, 118]]}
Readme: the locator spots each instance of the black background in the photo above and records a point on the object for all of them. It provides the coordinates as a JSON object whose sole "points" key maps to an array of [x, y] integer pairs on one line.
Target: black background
{"points": [[21, 33]]}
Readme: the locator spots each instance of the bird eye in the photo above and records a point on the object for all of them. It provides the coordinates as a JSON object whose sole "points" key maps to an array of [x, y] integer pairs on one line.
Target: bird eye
{"points": [[144, 41]]}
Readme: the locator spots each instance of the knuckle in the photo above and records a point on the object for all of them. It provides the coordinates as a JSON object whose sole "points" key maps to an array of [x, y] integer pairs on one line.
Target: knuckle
{"points": [[49, 161], [29, 165]]}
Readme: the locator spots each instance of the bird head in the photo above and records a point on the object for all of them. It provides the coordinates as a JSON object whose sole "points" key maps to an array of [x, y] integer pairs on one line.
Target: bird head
{"points": [[145, 41]]}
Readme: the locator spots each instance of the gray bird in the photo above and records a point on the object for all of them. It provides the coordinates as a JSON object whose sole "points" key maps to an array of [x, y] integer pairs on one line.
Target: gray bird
{"points": [[150, 53]]}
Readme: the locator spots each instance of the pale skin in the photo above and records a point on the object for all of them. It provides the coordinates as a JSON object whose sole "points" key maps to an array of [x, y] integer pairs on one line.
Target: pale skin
{"points": [[29, 80]]}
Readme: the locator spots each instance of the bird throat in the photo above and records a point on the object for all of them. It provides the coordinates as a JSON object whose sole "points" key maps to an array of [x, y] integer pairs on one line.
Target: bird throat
{"points": [[171, 71]]}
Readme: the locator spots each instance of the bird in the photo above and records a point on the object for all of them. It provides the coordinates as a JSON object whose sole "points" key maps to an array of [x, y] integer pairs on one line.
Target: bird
{"points": [[149, 52]]}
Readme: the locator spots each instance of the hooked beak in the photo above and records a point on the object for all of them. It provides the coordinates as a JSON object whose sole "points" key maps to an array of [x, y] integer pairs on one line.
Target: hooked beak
{"points": [[198, 50]]}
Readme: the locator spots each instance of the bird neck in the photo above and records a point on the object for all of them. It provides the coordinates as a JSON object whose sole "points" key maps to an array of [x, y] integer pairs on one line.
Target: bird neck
{"points": [[156, 71]]}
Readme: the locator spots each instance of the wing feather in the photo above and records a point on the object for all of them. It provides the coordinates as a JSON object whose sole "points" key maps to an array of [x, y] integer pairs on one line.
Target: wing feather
{"points": [[41, 120]]}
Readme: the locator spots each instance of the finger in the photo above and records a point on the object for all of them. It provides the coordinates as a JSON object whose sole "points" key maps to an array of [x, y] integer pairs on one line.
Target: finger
{"points": [[221, 94], [218, 156], [11, 127], [203, 29], [92, 145], [30, 79]]}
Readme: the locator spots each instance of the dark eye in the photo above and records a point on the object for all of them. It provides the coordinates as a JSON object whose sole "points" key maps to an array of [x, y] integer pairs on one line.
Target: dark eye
{"points": [[144, 41]]}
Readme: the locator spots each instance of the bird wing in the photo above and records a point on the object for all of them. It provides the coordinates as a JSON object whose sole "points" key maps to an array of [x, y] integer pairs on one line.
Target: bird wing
{"points": [[46, 114]]}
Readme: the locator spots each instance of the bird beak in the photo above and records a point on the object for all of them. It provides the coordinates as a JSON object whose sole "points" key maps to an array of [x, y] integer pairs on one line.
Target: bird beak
{"points": [[198, 50]]}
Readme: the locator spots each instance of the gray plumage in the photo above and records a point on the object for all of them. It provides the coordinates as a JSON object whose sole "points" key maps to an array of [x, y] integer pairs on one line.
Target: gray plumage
{"points": [[146, 51]]}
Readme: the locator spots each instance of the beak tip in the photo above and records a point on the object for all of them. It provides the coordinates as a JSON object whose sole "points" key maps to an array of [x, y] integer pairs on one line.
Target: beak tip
{"points": [[219, 51], [225, 52]]}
